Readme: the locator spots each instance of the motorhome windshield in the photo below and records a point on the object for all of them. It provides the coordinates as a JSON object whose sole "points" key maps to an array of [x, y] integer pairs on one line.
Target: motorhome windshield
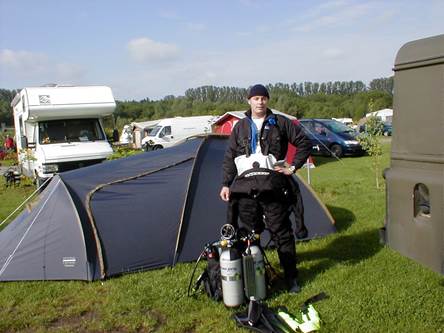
{"points": [[337, 127], [70, 130], [155, 130]]}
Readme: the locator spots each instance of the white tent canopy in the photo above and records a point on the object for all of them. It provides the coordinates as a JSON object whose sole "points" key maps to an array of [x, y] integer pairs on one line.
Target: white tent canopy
{"points": [[385, 115]]}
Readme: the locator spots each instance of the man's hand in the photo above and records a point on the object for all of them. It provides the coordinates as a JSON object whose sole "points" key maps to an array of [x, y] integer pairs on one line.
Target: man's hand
{"points": [[225, 193], [285, 170]]}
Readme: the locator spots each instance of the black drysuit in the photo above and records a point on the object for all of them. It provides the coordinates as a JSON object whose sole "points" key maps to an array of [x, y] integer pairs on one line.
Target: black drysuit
{"points": [[266, 198]]}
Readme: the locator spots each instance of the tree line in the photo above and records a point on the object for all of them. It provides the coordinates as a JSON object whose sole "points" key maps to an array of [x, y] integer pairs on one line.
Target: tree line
{"points": [[337, 99], [6, 97]]}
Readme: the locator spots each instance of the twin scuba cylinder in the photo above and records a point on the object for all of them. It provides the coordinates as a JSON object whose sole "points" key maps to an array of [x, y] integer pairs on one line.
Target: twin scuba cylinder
{"points": [[242, 274]]}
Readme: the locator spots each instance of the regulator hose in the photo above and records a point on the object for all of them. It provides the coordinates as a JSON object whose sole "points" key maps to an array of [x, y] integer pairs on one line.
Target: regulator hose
{"points": [[194, 270]]}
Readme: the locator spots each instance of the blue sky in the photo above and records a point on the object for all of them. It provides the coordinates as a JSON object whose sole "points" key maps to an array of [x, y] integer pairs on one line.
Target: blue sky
{"points": [[157, 48]]}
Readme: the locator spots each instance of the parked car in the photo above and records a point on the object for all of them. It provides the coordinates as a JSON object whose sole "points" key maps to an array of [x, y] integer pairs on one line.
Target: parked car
{"points": [[387, 130], [330, 137]]}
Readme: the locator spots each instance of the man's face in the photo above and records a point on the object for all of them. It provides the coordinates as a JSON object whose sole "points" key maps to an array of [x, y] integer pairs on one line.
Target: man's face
{"points": [[258, 105]]}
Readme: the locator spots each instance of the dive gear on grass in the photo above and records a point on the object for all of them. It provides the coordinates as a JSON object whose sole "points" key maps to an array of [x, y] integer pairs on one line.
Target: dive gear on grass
{"points": [[261, 318], [228, 262], [210, 277]]}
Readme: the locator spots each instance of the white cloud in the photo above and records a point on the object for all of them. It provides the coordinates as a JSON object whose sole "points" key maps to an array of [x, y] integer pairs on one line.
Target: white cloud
{"points": [[23, 60], [145, 50], [37, 68], [296, 60], [332, 14]]}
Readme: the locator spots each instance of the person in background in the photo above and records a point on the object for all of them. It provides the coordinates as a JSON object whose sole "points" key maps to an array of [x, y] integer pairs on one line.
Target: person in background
{"points": [[9, 143], [261, 139]]}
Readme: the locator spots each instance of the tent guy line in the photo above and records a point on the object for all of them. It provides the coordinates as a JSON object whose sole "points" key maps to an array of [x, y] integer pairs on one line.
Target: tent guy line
{"points": [[25, 201]]}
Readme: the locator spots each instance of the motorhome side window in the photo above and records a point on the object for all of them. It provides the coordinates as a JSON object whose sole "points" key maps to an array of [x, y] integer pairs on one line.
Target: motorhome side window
{"points": [[70, 130]]}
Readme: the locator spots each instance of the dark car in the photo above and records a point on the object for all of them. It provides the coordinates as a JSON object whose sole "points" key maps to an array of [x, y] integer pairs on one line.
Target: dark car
{"points": [[387, 130], [331, 137]]}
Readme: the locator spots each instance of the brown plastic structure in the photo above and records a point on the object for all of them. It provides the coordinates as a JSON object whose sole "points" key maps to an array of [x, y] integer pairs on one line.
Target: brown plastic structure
{"points": [[415, 180]]}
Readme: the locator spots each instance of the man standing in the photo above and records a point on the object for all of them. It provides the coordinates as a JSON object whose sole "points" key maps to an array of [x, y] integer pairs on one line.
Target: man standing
{"points": [[261, 140]]}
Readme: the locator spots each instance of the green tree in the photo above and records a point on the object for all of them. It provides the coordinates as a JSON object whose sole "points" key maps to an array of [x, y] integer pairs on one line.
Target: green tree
{"points": [[371, 143], [382, 84]]}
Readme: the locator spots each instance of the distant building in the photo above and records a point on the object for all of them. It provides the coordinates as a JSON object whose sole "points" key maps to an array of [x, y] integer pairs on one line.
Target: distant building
{"points": [[385, 115]]}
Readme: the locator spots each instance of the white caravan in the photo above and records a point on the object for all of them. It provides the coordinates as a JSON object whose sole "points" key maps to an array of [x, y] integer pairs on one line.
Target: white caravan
{"points": [[59, 128], [171, 131]]}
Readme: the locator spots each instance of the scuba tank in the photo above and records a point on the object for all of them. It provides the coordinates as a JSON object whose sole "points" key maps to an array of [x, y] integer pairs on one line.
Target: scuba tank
{"points": [[254, 270], [259, 269], [230, 269], [231, 274]]}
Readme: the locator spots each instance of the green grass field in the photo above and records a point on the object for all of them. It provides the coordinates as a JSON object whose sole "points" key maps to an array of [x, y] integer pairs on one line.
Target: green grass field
{"points": [[370, 287]]}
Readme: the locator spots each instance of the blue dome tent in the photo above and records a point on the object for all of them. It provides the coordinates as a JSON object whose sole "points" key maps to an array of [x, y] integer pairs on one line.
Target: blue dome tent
{"points": [[142, 212]]}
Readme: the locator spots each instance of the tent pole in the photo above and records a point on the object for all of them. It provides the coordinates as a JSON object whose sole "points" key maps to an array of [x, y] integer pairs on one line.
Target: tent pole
{"points": [[185, 205]]}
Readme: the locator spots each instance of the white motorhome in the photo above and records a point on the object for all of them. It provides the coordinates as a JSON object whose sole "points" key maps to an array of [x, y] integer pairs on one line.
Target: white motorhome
{"points": [[59, 128], [171, 131]]}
